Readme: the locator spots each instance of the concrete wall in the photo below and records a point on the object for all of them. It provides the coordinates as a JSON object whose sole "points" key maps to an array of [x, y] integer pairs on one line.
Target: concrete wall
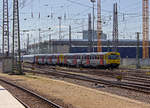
{"points": [[6, 65], [61, 49], [128, 62]]}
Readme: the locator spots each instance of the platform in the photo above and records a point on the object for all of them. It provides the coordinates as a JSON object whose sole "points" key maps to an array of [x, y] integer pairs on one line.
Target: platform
{"points": [[7, 100]]}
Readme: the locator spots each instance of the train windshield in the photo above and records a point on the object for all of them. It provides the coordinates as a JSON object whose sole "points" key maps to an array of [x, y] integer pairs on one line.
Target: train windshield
{"points": [[113, 56]]}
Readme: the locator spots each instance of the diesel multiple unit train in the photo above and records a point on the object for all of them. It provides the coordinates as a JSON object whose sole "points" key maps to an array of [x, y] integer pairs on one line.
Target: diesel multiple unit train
{"points": [[98, 59]]}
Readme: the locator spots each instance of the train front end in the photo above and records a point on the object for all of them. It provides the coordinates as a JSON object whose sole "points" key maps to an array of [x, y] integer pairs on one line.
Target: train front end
{"points": [[113, 59]]}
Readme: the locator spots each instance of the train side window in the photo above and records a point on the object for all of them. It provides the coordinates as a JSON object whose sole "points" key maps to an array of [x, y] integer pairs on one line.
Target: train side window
{"points": [[101, 57], [70, 57], [97, 57], [88, 57], [82, 57], [94, 57], [91, 57]]}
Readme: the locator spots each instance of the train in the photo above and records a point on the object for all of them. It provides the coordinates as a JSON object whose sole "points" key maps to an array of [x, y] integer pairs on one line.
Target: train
{"points": [[95, 59]]}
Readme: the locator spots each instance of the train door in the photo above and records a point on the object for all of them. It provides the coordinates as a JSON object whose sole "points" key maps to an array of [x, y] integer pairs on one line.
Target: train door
{"points": [[78, 60], [54, 59], [36, 60], [92, 60], [65, 60], [75, 60], [58, 59], [87, 60], [43, 61], [50, 59], [101, 60]]}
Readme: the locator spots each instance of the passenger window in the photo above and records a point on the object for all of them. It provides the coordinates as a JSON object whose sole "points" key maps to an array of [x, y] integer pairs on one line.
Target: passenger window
{"points": [[101, 57]]}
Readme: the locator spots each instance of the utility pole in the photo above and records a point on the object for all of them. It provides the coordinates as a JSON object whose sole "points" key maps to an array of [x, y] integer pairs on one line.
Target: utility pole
{"points": [[89, 34], [145, 29], [34, 47], [59, 18], [93, 1], [49, 44], [115, 28], [138, 51], [28, 39], [99, 26], [70, 40], [5, 48], [16, 37], [108, 46], [39, 41]]}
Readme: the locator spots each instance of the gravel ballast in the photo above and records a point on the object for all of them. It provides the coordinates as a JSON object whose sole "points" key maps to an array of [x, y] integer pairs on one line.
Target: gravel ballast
{"points": [[76, 96]]}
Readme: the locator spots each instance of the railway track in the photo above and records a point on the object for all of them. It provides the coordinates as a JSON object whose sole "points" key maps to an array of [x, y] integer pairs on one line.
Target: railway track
{"points": [[133, 77], [136, 77], [28, 98], [126, 76], [145, 88]]}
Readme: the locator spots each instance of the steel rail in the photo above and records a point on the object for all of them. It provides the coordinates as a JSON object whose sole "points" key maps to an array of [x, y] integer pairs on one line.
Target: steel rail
{"points": [[135, 78], [54, 105], [144, 81], [125, 85]]}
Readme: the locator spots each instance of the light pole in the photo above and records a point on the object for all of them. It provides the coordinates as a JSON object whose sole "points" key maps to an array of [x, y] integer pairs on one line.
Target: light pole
{"points": [[39, 40], [59, 27], [93, 1], [49, 42], [137, 51]]}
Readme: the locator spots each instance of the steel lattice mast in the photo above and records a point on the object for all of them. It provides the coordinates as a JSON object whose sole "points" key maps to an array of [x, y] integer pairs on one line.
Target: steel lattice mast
{"points": [[145, 29], [16, 35], [5, 46], [99, 26], [115, 28]]}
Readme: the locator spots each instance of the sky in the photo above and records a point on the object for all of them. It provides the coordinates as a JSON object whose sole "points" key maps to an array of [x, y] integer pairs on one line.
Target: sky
{"points": [[43, 14]]}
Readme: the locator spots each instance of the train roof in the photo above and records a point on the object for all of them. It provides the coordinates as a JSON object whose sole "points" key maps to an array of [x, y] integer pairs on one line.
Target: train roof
{"points": [[92, 53]]}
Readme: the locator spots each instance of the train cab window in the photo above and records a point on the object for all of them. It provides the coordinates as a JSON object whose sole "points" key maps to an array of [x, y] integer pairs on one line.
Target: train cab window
{"points": [[113, 56]]}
